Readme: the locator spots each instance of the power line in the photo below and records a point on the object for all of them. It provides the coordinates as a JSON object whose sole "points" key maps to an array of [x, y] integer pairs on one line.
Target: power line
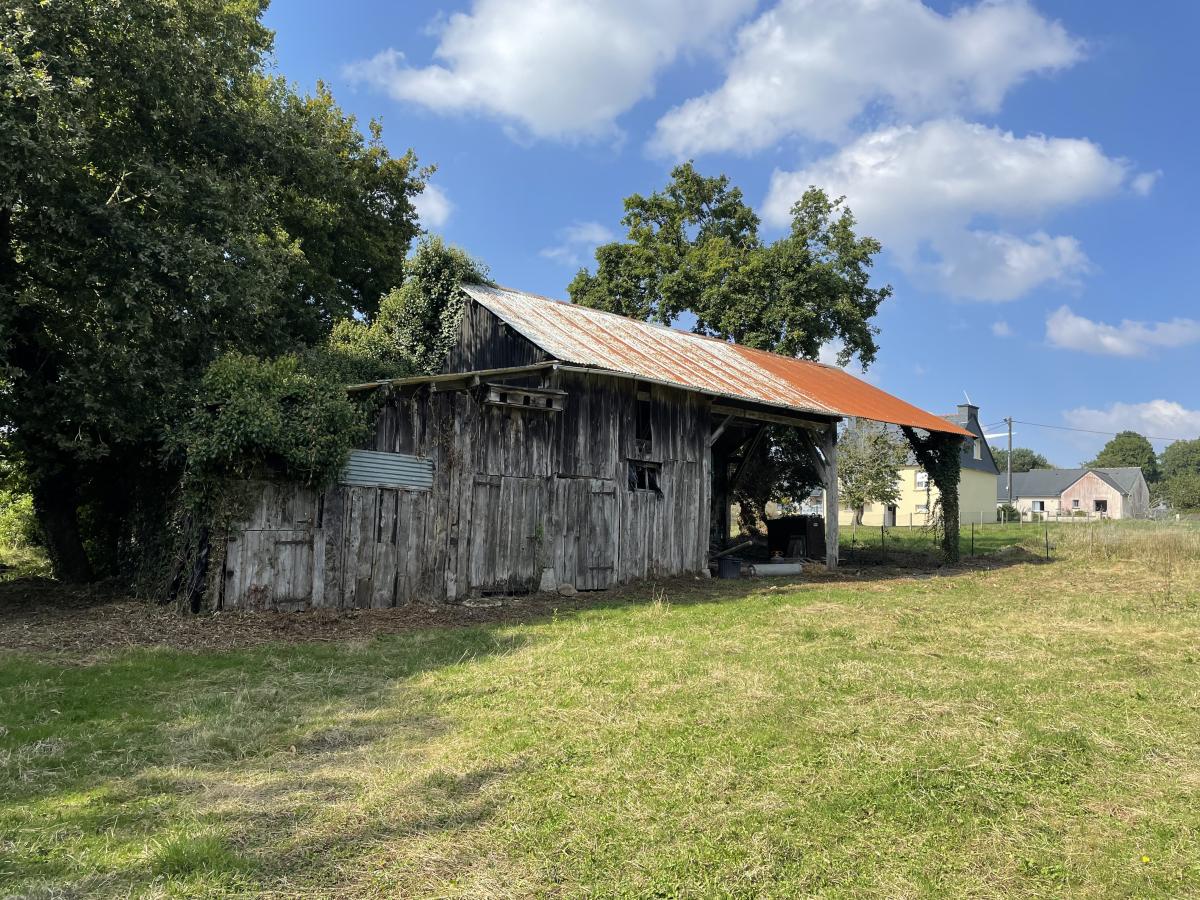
{"points": [[1090, 431]]}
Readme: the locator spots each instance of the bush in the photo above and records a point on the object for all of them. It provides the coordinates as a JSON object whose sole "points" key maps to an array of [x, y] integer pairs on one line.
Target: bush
{"points": [[1008, 513], [289, 416]]}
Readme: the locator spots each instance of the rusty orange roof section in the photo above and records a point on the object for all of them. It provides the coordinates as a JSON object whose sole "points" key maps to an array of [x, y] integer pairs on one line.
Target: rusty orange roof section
{"points": [[589, 337]]}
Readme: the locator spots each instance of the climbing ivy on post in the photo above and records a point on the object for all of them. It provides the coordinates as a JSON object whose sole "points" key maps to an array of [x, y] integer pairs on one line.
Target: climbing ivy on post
{"points": [[941, 456]]}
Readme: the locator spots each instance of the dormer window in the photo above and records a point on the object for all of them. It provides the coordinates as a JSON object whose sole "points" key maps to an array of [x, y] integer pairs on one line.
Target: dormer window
{"points": [[977, 448]]}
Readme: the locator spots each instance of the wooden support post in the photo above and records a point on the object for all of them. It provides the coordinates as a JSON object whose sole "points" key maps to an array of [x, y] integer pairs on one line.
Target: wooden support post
{"points": [[829, 451]]}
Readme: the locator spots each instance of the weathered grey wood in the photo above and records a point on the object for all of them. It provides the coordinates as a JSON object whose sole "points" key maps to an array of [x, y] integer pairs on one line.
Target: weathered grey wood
{"points": [[515, 492], [829, 451]]}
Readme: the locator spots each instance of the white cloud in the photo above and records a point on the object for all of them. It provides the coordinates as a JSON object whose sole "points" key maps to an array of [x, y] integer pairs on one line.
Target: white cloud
{"points": [[1155, 418], [577, 241], [554, 68], [1144, 182], [1002, 329], [433, 207], [814, 67], [1074, 332], [943, 197]]}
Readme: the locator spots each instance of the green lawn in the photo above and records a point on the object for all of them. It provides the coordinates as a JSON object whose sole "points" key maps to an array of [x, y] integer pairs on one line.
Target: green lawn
{"points": [[1029, 729]]}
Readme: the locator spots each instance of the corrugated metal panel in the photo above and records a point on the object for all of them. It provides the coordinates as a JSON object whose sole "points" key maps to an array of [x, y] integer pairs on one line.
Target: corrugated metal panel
{"points": [[371, 468], [589, 337]]}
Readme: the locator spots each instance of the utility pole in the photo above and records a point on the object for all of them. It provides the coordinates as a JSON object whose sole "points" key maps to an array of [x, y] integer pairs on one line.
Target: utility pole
{"points": [[1008, 422]]}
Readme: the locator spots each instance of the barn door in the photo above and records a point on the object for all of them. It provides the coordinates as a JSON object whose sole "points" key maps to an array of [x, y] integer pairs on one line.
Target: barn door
{"points": [[270, 563], [598, 551], [507, 532]]}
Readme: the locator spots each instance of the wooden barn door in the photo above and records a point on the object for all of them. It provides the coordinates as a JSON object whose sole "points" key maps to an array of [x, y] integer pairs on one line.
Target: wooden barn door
{"points": [[585, 541], [507, 531], [270, 563]]}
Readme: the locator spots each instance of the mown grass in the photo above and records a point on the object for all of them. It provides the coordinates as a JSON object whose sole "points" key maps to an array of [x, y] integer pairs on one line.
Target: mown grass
{"points": [[1027, 729]]}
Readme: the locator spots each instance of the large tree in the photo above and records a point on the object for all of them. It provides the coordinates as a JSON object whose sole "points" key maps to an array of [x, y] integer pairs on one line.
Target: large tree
{"points": [[1128, 449], [1181, 458], [694, 248], [164, 199], [1023, 460], [869, 460]]}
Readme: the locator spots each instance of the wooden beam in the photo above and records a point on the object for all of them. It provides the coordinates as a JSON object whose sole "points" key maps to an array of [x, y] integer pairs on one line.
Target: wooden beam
{"points": [[741, 469], [758, 416], [712, 438], [829, 450]]}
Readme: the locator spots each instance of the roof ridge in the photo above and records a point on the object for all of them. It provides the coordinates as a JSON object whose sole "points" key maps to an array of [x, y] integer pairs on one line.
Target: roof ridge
{"points": [[660, 325]]}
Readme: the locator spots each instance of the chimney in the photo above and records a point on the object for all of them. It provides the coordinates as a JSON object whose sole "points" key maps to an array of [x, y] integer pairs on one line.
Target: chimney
{"points": [[969, 412]]}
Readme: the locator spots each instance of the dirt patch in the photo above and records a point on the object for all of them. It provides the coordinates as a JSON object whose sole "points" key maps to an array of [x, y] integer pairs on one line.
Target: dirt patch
{"points": [[43, 617]]}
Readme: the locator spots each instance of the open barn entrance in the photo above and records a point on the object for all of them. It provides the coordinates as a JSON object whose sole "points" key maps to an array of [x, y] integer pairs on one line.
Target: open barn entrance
{"points": [[799, 453]]}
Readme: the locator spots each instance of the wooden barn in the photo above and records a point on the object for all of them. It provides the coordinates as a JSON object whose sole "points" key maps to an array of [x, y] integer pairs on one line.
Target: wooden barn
{"points": [[560, 446]]}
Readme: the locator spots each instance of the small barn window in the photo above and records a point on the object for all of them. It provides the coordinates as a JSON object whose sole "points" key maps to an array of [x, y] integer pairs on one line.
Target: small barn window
{"points": [[644, 477], [1101, 506], [1075, 503], [643, 431]]}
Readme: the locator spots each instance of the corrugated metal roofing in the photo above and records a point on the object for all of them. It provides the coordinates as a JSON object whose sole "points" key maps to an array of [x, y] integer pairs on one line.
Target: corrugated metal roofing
{"points": [[371, 468], [590, 337]]}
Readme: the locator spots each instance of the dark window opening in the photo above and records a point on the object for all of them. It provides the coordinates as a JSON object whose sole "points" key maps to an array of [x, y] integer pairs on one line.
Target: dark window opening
{"points": [[1101, 506], [644, 477], [643, 432]]}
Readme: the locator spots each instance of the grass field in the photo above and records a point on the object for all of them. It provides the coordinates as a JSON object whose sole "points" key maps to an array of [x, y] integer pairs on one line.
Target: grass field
{"points": [[1018, 726]]}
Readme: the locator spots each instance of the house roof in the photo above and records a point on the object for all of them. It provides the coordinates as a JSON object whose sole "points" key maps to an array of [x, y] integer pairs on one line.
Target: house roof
{"points": [[1052, 482], [588, 337]]}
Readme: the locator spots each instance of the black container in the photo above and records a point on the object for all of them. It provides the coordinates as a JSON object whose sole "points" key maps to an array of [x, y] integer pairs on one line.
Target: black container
{"points": [[729, 567]]}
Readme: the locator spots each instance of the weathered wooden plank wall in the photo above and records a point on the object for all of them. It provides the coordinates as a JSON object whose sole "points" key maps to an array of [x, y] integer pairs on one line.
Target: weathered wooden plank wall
{"points": [[520, 497]]}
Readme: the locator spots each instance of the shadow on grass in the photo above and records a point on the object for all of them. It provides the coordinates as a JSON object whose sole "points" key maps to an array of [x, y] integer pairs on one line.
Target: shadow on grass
{"points": [[161, 765]]}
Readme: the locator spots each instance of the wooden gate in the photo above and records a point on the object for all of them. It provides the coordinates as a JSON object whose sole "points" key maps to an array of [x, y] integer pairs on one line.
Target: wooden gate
{"points": [[507, 531]]}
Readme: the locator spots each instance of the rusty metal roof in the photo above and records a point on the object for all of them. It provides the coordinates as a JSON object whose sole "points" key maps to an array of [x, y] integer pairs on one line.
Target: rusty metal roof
{"points": [[589, 337]]}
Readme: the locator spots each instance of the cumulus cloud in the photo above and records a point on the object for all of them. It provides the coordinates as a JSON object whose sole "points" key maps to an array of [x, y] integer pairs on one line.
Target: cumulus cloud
{"points": [[433, 207], [552, 68], [947, 196], [813, 67], [1130, 338], [577, 241], [1002, 329], [1155, 418]]}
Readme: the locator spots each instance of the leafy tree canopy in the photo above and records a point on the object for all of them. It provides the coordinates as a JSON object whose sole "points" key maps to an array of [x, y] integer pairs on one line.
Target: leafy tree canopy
{"points": [[1180, 458], [1182, 490], [694, 248], [869, 460], [1023, 460], [165, 200], [1128, 449]]}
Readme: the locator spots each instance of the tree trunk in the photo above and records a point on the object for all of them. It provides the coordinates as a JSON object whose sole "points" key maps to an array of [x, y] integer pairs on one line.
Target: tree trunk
{"points": [[56, 503]]}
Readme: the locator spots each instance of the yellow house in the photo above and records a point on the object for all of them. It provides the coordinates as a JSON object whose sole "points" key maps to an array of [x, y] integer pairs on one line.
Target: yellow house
{"points": [[976, 486]]}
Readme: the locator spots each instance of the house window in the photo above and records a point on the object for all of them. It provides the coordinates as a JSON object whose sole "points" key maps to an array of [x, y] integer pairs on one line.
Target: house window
{"points": [[643, 432], [1038, 505], [922, 480], [1101, 506], [977, 448], [643, 476], [1075, 503], [922, 507]]}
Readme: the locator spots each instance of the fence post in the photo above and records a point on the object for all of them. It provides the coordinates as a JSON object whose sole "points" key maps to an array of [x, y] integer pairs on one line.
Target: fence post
{"points": [[973, 536], [1046, 525]]}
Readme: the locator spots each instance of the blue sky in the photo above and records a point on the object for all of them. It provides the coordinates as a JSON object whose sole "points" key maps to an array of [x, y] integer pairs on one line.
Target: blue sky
{"points": [[1028, 166]]}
